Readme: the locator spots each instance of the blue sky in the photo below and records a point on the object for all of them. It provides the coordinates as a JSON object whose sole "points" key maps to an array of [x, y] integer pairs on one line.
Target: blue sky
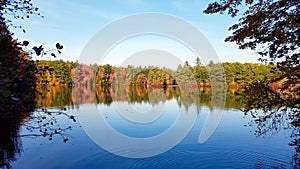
{"points": [[74, 22]]}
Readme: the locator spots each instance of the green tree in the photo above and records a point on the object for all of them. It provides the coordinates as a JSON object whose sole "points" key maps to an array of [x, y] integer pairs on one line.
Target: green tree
{"points": [[186, 64], [211, 63], [198, 61], [105, 74]]}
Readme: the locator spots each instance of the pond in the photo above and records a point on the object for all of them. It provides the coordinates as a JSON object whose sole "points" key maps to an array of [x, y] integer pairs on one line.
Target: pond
{"points": [[138, 127]]}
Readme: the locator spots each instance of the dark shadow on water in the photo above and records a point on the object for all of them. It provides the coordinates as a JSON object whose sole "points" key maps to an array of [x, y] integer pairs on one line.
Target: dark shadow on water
{"points": [[10, 144]]}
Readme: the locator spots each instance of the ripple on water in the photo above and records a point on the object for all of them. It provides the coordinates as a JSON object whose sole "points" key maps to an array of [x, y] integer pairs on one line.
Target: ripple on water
{"points": [[189, 156]]}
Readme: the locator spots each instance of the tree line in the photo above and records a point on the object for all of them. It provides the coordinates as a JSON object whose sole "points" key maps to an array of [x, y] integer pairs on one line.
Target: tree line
{"points": [[61, 72]]}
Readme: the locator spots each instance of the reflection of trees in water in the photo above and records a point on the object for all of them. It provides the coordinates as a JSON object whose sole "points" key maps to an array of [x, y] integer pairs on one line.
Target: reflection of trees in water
{"points": [[54, 96], [272, 112], [136, 94], [104, 95], [10, 143], [185, 96], [189, 96]]}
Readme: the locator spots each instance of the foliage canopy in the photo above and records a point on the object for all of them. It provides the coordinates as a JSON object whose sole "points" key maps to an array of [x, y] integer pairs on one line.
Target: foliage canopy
{"points": [[271, 27]]}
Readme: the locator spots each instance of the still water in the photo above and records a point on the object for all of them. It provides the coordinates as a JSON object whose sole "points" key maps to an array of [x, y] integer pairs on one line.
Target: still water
{"points": [[136, 127]]}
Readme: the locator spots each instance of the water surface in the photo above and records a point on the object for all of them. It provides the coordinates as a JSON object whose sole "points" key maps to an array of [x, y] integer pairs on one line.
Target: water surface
{"points": [[232, 145]]}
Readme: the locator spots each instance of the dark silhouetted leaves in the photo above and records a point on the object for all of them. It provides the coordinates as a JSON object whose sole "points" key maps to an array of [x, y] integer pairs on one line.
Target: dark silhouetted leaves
{"points": [[25, 43], [58, 46], [38, 50]]}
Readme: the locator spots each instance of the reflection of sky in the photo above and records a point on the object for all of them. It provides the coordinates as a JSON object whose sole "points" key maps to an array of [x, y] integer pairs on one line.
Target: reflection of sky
{"points": [[142, 130], [231, 146]]}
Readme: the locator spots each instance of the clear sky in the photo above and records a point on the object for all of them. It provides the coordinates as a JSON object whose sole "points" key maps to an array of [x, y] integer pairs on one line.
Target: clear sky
{"points": [[74, 22]]}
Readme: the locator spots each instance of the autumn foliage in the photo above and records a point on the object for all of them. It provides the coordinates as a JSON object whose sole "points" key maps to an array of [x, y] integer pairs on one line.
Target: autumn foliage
{"points": [[17, 80]]}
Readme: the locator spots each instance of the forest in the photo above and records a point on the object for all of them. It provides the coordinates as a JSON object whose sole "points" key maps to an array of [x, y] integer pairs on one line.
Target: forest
{"points": [[238, 75]]}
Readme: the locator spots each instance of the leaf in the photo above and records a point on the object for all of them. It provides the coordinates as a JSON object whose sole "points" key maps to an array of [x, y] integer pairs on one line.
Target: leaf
{"points": [[52, 54], [59, 46], [25, 43], [38, 50]]}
